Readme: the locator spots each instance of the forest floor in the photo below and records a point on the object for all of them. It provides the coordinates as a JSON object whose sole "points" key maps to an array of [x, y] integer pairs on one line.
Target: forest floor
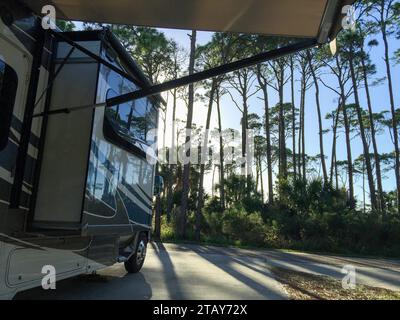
{"points": [[306, 286]]}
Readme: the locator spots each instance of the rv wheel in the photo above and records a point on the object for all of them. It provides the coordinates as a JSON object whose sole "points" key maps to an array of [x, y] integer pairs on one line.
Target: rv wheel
{"points": [[135, 262]]}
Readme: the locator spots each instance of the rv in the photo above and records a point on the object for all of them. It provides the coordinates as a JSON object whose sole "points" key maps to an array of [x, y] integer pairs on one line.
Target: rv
{"points": [[78, 123], [76, 188]]}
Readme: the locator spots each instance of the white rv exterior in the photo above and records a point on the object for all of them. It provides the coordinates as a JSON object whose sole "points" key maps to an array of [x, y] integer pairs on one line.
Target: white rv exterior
{"points": [[75, 188]]}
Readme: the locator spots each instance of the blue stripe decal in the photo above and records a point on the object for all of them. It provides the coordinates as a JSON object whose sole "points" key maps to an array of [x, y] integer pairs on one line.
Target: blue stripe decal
{"points": [[131, 190], [135, 213], [16, 124], [7, 161], [145, 193]]}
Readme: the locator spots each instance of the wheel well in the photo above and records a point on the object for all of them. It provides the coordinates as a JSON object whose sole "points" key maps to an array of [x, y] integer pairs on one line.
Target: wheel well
{"points": [[147, 233]]}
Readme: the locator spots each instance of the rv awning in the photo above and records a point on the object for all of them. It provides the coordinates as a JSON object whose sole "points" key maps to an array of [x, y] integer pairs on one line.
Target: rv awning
{"points": [[318, 19]]}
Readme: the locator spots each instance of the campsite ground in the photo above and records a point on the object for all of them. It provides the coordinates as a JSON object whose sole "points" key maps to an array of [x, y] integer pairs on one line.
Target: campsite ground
{"points": [[185, 271]]}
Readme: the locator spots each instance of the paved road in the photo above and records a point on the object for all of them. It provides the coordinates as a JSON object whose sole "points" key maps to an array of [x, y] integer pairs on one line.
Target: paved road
{"points": [[198, 272]]}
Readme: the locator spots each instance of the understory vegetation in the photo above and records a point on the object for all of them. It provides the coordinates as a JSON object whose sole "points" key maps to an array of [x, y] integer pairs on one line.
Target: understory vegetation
{"points": [[309, 216]]}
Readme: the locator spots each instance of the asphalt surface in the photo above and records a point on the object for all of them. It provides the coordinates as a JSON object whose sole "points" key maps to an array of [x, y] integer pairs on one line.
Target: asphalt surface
{"points": [[201, 273]]}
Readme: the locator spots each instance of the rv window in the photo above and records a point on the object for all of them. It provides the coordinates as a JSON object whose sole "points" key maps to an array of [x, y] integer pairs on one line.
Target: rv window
{"points": [[8, 90], [133, 120]]}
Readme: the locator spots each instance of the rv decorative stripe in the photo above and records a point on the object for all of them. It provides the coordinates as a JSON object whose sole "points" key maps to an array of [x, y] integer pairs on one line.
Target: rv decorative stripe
{"points": [[17, 242], [7, 161], [16, 124], [145, 194], [137, 195], [5, 192], [134, 211]]}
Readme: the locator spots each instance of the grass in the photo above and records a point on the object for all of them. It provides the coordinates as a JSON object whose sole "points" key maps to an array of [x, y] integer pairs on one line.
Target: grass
{"points": [[304, 286], [215, 243], [342, 254], [238, 244]]}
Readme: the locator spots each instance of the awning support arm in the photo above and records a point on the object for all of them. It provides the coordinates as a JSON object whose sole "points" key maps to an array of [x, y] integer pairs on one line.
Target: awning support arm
{"points": [[213, 72], [187, 80]]}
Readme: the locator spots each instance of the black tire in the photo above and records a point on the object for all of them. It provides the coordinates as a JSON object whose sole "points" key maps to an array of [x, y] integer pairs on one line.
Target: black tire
{"points": [[135, 262]]}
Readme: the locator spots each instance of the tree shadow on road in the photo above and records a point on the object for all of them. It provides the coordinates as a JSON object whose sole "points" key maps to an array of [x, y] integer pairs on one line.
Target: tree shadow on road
{"points": [[225, 263], [170, 277]]}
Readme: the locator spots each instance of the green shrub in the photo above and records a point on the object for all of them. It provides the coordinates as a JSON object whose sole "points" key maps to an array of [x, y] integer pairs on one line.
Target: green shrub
{"points": [[212, 223], [168, 229], [247, 228]]}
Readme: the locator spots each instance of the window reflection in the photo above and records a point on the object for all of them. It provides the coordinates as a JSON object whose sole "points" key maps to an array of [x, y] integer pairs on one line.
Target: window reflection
{"points": [[133, 119], [8, 91]]}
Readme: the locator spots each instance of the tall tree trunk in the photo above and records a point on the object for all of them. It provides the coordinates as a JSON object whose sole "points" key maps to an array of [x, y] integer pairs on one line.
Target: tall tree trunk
{"points": [[204, 156], [321, 131], [299, 144], [349, 158], [158, 206], [157, 209], [282, 138], [336, 174], [393, 111], [213, 181], [333, 156], [381, 197], [221, 154], [303, 142], [363, 186], [244, 131], [244, 134], [172, 159], [367, 159], [186, 167], [293, 119], [264, 89], [347, 134], [261, 179], [246, 166], [257, 173]]}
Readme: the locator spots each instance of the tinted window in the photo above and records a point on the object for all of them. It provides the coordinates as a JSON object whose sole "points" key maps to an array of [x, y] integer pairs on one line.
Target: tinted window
{"points": [[133, 120], [8, 90]]}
